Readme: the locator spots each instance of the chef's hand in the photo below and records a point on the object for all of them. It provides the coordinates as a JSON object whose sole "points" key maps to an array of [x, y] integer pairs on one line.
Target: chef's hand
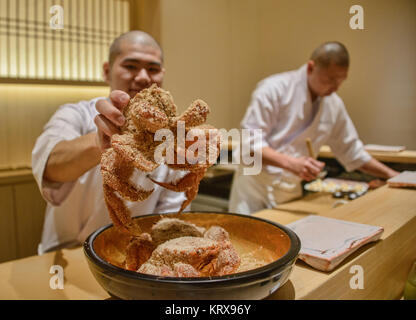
{"points": [[110, 117], [306, 168]]}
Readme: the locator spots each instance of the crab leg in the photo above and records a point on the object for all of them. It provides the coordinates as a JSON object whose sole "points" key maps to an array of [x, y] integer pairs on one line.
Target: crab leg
{"points": [[119, 213], [195, 115], [180, 185], [123, 145], [189, 183], [190, 195], [126, 189], [149, 117], [116, 174], [138, 251]]}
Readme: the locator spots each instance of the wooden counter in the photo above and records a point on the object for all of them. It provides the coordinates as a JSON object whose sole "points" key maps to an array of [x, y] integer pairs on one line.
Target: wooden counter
{"points": [[405, 156], [11, 176], [385, 263]]}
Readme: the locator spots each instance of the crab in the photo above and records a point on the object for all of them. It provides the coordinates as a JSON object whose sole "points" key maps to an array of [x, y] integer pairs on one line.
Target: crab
{"points": [[135, 146], [178, 248]]}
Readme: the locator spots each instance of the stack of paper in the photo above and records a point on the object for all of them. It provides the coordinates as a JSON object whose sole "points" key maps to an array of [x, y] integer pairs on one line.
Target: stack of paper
{"points": [[404, 179], [326, 242]]}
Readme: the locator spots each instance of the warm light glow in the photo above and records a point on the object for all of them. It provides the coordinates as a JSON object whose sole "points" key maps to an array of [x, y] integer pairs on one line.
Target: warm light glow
{"points": [[53, 87]]}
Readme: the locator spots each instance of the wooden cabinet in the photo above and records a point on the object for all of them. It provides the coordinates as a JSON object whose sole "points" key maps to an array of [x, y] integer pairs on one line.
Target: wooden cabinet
{"points": [[22, 211]]}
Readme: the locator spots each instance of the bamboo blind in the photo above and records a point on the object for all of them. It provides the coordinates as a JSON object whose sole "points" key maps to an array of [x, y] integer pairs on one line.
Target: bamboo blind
{"points": [[33, 52], [31, 49]]}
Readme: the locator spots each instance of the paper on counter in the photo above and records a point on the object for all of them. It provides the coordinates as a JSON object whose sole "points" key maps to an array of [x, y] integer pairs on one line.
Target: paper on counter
{"points": [[326, 242], [403, 179], [381, 148]]}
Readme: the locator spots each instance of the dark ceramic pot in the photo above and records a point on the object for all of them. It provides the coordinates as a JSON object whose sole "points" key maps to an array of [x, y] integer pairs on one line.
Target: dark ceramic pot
{"points": [[275, 245]]}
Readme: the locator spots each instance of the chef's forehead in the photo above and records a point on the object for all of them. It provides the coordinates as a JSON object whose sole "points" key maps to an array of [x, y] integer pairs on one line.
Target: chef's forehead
{"points": [[133, 37]]}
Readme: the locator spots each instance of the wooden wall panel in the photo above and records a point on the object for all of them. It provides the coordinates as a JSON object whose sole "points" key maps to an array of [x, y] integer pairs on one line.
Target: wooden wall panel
{"points": [[30, 209], [145, 15], [8, 244], [218, 50]]}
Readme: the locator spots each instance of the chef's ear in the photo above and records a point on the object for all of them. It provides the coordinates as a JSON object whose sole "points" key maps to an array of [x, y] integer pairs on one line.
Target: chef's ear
{"points": [[311, 66], [106, 72]]}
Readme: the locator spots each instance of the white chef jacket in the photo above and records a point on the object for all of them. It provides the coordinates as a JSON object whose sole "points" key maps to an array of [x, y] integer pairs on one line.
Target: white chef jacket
{"points": [[282, 107], [76, 209]]}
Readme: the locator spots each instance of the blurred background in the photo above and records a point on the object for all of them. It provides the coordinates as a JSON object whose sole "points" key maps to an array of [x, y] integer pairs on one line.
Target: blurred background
{"points": [[215, 50]]}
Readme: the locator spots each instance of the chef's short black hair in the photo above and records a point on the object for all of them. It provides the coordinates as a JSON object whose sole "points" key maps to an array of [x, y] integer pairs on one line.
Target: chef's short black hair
{"points": [[135, 36], [331, 52]]}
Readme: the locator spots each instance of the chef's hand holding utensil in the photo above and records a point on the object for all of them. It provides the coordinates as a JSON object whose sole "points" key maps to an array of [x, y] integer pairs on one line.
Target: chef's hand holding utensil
{"points": [[306, 168], [321, 174]]}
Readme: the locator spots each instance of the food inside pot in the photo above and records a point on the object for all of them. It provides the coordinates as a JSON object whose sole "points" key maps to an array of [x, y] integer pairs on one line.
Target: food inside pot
{"points": [[177, 248], [194, 245]]}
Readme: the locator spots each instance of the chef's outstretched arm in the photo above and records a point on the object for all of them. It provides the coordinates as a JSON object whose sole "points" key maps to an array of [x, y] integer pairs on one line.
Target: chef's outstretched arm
{"points": [[306, 168], [377, 169], [70, 159]]}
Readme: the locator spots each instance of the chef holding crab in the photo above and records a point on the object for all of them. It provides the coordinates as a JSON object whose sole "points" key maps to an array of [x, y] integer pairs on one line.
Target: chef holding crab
{"points": [[66, 156]]}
